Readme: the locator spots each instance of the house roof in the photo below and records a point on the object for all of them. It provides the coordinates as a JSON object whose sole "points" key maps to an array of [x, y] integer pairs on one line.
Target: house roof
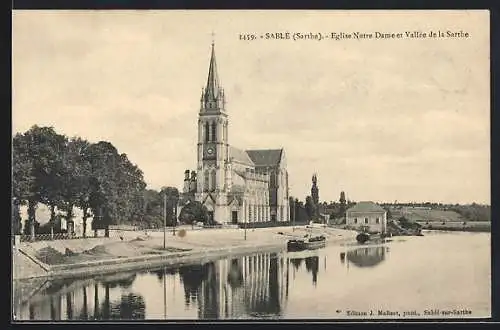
{"points": [[265, 157], [240, 156], [366, 207]]}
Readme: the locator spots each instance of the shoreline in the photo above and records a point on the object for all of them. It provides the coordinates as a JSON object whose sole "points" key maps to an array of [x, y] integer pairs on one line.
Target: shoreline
{"points": [[108, 266], [202, 247]]}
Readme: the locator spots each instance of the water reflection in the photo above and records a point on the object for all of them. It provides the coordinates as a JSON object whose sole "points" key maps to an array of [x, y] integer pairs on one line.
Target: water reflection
{"points": [[365, 256], [92, 299], [264, 285], [251, 286], [130, 307], [311, 263], [192, 278]]}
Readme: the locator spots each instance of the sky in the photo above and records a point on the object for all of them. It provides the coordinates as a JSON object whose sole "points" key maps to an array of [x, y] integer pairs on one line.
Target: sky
{"points": [[381, 119]]}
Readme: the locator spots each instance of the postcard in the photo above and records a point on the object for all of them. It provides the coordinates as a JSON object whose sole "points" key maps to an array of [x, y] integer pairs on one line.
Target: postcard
{"points": [[256, 165]]}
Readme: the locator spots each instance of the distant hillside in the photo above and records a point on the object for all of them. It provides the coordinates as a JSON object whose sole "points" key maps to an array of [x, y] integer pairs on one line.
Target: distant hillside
{"points": [[448, 212], [427, 215]]}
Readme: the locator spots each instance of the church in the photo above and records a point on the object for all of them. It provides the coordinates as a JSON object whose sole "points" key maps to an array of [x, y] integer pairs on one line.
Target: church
{"points": [[235, 185]]}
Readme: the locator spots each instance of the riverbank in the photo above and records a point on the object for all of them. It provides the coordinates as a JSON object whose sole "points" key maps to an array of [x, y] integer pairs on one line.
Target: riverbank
{"points": [[78, 258], [470, 226]]}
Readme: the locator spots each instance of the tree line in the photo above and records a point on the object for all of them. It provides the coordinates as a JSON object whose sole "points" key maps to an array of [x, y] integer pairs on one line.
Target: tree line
{"points": [[67, 173], [306, 211]]}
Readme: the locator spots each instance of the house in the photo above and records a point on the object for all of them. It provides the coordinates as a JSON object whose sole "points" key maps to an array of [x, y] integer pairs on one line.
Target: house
{"points": [[367, 215]]}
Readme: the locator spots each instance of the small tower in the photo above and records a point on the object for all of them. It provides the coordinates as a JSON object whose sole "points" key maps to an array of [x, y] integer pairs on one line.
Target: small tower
{"points": [[315, 195], [192, 182], [185, 188]]}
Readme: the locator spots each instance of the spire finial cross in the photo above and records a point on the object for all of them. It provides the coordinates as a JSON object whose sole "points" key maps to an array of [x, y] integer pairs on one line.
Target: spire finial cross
{"points": [[213, 38]]}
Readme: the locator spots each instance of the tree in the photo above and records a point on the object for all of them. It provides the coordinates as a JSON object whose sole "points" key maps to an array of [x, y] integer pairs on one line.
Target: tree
{"points": [[75, 175], [389, 213], [103, 188], [309, 206], [291, 204], [16, 218], [116, 186], [172, 198], [23, 181], [37, 155], [62, 173], [131, 186], [152, 208], [193, 212], [48, 148], [343, 206], [82, 178]]}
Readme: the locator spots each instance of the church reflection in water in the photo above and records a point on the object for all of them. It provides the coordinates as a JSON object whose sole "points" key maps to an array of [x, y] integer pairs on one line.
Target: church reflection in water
{"points": [[245, 287], [236, 288]]}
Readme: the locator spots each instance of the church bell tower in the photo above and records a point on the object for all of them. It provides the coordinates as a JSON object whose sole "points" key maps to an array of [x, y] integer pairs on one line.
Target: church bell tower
{"points": [[213, 156]]}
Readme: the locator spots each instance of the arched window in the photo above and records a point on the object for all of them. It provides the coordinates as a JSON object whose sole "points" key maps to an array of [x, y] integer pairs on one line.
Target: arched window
{"points": [[378, 220], [355, 220], [214, 132], [214, 180], [206, 182], [366, 220], [207, 132]]}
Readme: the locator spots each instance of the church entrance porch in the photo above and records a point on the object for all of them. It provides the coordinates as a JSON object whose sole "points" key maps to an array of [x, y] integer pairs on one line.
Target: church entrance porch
{"points": [[234, 217]]}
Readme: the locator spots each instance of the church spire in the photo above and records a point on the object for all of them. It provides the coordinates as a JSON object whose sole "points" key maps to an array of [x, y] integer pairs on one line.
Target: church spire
{"points": [[212, 89]]}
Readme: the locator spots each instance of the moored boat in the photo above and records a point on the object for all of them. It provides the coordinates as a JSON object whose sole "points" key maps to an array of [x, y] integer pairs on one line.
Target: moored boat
{"points": [[310, 243], [362, 237], [295, 245]]}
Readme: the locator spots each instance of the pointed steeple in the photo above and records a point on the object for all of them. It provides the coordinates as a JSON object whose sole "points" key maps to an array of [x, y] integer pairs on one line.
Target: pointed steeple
{"points": [[212, 89]]}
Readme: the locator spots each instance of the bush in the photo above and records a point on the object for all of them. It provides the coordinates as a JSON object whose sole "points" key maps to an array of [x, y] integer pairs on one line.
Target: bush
{"points": [[407, 224]]}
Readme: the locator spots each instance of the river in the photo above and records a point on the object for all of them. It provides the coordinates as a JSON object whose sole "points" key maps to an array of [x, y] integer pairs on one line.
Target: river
{"points": [[439, 275]]}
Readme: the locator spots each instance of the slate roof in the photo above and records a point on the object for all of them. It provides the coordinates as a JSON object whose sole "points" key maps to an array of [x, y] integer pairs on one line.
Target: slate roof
{"points": [[366, 207], [266, 157], [240, 156], [240, 174], [212, 89]]}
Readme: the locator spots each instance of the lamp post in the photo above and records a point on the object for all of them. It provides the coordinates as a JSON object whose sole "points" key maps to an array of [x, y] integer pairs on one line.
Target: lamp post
{"points": [[164, 293], [174, 219], [245, 229]]}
